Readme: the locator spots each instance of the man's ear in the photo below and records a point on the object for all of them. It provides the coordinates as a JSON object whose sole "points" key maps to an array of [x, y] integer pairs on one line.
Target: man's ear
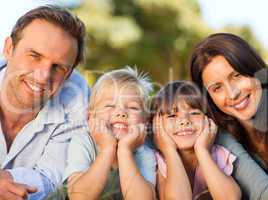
{"points": [[8, 48]]}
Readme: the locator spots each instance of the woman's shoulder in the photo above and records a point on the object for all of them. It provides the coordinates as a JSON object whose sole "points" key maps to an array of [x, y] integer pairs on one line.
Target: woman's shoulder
{"points": [[229, 142]]}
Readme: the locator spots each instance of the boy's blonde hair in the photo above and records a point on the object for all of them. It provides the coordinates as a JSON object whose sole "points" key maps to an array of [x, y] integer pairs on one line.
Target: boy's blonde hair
{"points": [[122, 77]]}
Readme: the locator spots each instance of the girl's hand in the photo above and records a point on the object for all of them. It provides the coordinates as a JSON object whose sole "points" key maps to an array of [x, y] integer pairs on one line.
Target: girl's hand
{"points": [[134, 138], [101, 134], [207, 136], [161, 138]]}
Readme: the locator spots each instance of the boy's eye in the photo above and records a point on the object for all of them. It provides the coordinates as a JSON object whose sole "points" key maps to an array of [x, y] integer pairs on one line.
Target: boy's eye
{"points": [[134, 108], [109, 106]]}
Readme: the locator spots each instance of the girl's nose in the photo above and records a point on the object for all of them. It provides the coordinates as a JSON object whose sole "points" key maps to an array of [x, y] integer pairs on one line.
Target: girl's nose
{"points": [[184, 122]]}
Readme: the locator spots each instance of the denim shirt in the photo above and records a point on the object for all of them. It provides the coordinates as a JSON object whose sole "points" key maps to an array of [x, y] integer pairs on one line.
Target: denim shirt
{"points": [[37, 156], [250, 176], [82, 153]]}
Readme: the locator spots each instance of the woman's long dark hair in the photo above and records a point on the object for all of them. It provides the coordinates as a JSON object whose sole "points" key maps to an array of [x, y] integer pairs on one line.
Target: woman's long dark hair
{"points": [[245, 60]]}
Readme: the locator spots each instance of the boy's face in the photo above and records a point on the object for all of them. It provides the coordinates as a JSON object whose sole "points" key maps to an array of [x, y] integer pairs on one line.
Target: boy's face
{"points": [[121, 108], [184, 124]]}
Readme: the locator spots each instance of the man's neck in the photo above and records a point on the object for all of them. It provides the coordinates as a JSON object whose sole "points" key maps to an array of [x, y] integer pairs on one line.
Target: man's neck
{"points": [[13, 122]]}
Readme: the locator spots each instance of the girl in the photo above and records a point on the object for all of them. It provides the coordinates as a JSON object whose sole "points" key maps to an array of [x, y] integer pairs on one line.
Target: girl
{"points": [[189, 165]]}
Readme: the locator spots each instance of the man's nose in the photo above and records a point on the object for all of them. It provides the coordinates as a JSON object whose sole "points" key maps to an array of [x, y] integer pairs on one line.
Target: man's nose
{"points": [[43, 74]]}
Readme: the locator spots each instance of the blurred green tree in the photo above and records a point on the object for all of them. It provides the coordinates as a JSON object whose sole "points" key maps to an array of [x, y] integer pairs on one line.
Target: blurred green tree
{"points": [[157, 36]]}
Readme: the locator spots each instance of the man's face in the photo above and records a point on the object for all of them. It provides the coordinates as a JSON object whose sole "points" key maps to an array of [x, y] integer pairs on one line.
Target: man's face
{"points": [[39, 64]]}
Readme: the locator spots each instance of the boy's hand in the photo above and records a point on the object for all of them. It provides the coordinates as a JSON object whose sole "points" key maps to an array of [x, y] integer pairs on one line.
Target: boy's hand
{"points": [[101, 134], [134, 138], [161, 137], [207, 136]]}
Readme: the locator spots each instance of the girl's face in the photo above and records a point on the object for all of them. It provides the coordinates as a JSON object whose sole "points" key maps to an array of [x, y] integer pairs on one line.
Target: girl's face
{"points": [[183, 124], [234, 94], [121, 108]]}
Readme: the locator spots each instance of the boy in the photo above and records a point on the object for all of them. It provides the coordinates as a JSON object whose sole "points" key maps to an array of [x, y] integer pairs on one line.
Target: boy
{"points": [[114, 158]]}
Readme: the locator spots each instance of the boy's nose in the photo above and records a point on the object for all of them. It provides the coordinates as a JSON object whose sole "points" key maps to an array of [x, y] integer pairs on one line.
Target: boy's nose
{"points": [[121, 113]]}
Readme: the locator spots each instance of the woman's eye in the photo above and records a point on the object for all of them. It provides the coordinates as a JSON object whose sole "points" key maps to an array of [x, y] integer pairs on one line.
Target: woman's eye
{"points": [[216, 88], [237, 75], [171, 116]]}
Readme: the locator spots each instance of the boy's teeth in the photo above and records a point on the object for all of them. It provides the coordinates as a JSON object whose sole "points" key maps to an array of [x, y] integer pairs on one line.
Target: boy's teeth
{"points": [[119, 125]]}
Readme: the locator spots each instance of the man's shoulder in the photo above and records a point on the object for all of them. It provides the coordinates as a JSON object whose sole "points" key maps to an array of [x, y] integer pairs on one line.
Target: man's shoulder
{"points": [[74, 94]]}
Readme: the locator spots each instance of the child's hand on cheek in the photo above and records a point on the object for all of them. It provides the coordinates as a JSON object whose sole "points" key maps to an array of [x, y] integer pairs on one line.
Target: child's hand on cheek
{"points": [[134, 138], [101, 134], [207, 136], [161, 137]]}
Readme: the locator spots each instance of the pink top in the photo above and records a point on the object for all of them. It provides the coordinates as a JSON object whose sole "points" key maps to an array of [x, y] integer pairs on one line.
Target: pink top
{"points": [[222, 157]]}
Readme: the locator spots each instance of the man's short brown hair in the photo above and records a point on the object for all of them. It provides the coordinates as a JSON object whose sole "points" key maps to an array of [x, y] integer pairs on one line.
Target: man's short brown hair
{"points": [[57, 16]]}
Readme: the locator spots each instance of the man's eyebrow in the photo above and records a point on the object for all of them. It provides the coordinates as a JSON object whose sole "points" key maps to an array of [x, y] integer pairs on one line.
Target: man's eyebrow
{"points": [[38, 54], [34, 52]]}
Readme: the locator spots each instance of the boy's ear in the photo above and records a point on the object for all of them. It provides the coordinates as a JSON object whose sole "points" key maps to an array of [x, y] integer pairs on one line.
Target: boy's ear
{"points": [[91, 114], [8, 48]]}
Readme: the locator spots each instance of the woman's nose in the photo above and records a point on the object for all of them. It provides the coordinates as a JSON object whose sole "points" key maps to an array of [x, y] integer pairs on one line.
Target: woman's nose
{"points": [[233, 92]]}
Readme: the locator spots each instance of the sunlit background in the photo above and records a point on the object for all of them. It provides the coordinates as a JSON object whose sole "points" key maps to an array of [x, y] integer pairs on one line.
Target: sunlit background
{"points": [[157, 36]]}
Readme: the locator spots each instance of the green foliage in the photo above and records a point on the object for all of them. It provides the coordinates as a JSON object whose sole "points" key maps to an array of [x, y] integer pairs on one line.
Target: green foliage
{"points": [[155, 35]]}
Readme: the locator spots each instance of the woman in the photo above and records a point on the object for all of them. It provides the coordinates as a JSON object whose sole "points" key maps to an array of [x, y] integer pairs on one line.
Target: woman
{"points": [[235, 78]]}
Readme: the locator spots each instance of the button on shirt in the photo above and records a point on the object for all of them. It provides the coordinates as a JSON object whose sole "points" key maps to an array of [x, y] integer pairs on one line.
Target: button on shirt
{"points": [[37, 156]]}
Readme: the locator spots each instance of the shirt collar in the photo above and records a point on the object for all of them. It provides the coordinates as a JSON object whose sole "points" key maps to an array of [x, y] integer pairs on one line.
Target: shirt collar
{"points": [[53, 110]]}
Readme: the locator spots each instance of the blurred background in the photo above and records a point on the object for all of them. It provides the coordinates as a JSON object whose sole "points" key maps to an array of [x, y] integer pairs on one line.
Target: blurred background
{"points": [[156, 36]]}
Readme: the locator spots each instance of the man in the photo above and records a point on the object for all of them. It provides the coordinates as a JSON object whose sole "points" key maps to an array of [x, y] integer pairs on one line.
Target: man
{"points": [[41, 101]]}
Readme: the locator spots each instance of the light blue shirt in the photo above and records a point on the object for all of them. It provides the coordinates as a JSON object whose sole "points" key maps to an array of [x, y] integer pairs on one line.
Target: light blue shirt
{"points": [[82, 153], [37, 156]]}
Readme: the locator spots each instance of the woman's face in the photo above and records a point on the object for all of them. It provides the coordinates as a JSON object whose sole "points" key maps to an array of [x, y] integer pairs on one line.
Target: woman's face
{"points": [[234, 94]]}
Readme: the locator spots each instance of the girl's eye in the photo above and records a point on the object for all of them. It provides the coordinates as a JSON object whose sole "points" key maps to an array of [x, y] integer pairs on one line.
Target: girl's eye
{"points": [[171, 116], [195, 113]]}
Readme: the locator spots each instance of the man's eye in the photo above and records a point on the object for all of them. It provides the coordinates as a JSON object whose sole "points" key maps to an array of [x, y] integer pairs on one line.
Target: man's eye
{"points": [[35, 57], [60, 68], [237, 75]]}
